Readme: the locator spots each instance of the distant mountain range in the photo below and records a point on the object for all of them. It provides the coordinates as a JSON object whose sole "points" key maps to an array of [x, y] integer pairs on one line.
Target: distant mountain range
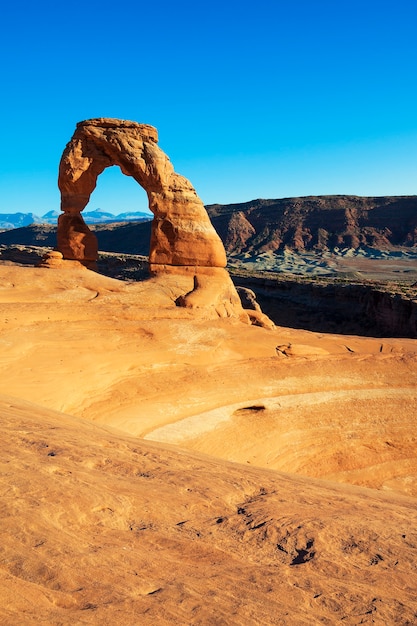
{"points": [[9, 221], [314, 223]]}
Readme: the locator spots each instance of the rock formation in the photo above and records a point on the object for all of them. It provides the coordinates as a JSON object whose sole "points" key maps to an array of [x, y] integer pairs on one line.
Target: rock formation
{"points": [[182, 234], [183, 239], [316, 223]]}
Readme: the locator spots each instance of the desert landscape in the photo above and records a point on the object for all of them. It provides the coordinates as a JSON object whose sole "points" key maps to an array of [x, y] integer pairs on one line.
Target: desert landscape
{"points": [[170, 453], [162, 467]]}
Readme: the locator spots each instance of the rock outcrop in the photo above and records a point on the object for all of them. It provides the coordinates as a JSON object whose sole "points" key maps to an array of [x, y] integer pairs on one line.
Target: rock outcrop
{"points": [[183, 239], [182, 234]]}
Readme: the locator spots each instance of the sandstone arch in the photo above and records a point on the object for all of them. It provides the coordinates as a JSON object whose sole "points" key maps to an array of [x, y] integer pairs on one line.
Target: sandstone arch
{"points": [[182, 234], [183, 239]]}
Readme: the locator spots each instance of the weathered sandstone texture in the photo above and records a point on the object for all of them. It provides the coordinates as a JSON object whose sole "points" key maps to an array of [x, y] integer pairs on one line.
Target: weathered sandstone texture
{"points": [[183, 240], [182, 234], [54, 259]]}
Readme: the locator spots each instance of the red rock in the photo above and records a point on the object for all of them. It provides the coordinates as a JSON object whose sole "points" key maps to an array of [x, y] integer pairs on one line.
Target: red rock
{"points": [[75, 240], [213, 289], [182, 233], [183, 240]]}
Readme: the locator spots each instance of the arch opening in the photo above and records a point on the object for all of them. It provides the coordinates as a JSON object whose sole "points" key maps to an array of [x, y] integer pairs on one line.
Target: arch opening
{"points": [[118, 194]]}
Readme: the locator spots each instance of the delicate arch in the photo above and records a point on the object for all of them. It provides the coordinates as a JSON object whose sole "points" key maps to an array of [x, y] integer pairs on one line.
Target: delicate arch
{"points": [[182, 234]]}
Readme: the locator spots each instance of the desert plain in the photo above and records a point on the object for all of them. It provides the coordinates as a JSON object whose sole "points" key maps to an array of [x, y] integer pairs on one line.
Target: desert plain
{"points": [[160, 465]]}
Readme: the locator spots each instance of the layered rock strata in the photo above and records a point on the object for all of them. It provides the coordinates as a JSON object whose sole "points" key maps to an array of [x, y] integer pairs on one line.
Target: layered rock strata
{"points": [[316, 223]]}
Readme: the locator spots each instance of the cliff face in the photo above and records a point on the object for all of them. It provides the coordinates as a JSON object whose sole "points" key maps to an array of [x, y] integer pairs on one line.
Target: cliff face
{"points": [[318, 223], [336, 307]]}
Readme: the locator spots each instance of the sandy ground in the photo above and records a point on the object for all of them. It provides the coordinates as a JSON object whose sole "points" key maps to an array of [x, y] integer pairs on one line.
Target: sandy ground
{"points": [[199, 471]]}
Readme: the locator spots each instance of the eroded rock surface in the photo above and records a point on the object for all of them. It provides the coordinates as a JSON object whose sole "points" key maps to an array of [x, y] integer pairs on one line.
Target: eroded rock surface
{"points": [[182, 233], [183, 239]]}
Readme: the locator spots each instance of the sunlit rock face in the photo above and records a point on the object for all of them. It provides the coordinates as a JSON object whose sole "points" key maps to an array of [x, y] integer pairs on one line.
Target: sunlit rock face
{"points": [[182, 234], [183, 240]]}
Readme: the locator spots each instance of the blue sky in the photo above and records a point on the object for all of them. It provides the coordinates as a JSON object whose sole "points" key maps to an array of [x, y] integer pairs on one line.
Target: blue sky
{"points": [[266, 99]]}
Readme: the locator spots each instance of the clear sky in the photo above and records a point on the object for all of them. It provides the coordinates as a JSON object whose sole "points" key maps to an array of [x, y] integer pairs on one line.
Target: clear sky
{"points": [[260, 99]]}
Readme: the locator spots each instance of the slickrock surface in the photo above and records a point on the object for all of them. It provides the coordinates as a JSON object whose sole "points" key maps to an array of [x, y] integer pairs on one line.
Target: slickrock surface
{"points": [[100, 528], [104, 520]]}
